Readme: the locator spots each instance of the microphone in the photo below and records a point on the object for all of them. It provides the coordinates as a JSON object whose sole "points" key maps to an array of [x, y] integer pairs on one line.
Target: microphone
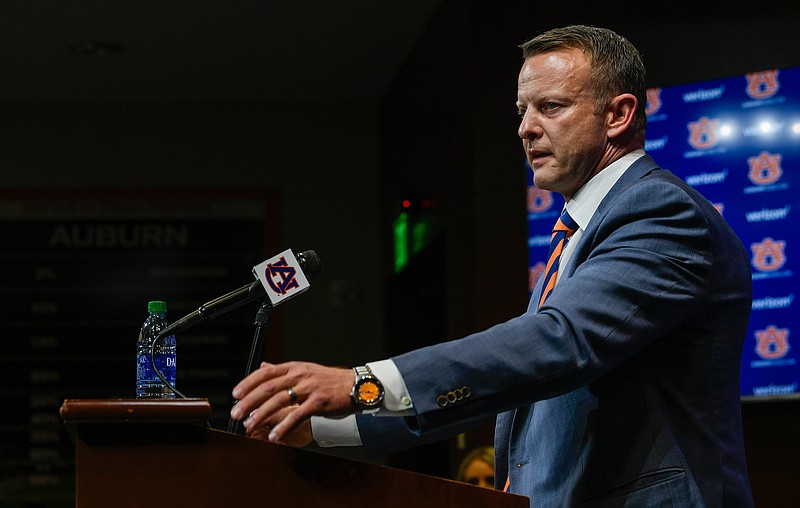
{"points": [[279, 278]]}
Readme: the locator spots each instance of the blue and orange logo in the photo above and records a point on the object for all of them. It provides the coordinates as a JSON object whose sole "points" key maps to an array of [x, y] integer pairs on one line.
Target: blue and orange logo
{"points": [[765, 168], [281, 276], [763, 84], [534, 272], [539, 200], [768, 255], [653, 101], [772, 343], [703, 133]]}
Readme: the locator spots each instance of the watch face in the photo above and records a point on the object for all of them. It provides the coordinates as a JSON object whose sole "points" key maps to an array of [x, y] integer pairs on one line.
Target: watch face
{"points": [[368, 392]]}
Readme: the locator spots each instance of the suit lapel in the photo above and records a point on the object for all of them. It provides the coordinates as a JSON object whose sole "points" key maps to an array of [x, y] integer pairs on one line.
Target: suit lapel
{"points": [[638, 170]]}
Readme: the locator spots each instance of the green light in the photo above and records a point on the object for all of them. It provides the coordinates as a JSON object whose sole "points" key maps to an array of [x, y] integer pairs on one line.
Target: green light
{"points": [[419, 236], [400, 242]]}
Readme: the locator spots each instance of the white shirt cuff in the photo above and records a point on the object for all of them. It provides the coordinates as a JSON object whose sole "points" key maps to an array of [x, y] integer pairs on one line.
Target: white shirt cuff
{"points": [[328, 432], [396, 400]]}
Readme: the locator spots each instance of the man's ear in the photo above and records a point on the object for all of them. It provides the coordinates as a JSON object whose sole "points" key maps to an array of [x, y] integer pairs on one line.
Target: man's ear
{"points": [[619, 115]]}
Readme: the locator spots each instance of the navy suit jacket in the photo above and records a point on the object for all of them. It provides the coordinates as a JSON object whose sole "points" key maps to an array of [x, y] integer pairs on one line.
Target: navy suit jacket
{"points": [[623, 388]]}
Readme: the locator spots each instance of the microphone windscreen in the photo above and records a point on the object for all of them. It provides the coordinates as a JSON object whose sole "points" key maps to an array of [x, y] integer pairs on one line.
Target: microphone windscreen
{"points": [[311, 264]]}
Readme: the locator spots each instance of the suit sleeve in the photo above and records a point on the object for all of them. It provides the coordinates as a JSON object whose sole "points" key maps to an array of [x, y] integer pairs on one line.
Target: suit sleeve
{"points": [[643, 263], [384, 435]]}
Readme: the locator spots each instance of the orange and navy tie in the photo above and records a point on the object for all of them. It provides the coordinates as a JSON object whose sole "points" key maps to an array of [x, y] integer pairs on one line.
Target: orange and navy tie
{"points": [[564, 228]]}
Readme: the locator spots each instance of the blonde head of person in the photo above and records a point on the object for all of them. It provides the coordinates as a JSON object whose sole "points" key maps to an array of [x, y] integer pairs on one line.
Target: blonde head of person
{"points": [[477, 468]]}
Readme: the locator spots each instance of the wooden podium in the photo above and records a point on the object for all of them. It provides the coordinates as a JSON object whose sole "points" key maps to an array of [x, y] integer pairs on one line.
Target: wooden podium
{"points": [[131, 453]]}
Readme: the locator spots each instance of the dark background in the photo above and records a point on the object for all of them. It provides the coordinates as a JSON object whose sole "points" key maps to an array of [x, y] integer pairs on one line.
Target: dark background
{"points": [[344, 109]]}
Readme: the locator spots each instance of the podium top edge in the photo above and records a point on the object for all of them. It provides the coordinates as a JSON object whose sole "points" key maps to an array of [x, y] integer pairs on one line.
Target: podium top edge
{"points": [[135, 411]]}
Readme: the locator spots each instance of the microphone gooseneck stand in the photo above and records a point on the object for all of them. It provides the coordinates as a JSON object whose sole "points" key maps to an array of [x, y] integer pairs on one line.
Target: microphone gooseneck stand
{"points": [[260, 323]]}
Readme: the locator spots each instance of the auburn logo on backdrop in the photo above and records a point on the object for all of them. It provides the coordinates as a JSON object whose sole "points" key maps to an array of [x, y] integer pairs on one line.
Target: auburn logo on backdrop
{"points": [[703, 133], [534, 272], [763, 84], [772, 342], [765, 168], [539, 200], [653, 101], [768, 255]]}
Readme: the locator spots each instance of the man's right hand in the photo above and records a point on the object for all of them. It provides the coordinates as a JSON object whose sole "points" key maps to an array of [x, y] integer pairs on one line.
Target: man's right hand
{"points": [[298, 438]]}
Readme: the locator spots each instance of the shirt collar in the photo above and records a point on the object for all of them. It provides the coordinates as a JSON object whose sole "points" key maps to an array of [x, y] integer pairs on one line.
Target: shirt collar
{"points": [[585, 202]]}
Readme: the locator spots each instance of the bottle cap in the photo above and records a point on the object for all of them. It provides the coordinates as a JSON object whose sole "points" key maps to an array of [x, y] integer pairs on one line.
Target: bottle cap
{"points": [[157, 307]]}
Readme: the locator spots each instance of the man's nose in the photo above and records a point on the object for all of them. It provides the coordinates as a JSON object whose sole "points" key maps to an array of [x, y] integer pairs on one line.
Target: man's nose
{"points": [[528, 126]]}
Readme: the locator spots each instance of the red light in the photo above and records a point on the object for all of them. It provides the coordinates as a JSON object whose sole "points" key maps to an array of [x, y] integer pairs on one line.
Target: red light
{"points": [[406, 203]]}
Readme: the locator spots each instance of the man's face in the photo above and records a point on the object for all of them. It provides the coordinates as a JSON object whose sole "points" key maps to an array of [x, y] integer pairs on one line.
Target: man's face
{"points": [[564, 139]]}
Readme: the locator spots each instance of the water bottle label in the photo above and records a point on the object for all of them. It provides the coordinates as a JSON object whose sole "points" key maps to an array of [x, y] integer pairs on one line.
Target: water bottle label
{"points": [[148, 383]]}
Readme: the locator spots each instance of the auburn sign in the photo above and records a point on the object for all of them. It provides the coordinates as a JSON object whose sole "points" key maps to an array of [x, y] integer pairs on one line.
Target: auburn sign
{"points": [[703, 133], [768, 255], [763, 84], [765, 168], [772, 342]]}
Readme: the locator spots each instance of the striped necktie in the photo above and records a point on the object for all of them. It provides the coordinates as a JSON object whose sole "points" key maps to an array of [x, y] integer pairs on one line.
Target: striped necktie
{"points": [[564, 228]]}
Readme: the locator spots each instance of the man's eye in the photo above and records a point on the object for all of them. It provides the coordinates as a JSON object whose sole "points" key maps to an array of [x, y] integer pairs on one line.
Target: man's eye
{"points": [[521, 112], [549, 106]]}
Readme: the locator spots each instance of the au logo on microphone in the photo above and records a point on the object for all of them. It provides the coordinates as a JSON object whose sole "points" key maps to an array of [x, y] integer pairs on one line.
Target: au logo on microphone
{"points": [[282, 277]]}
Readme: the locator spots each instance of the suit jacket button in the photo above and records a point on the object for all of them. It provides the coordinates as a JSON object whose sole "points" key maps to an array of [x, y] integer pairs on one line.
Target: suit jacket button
{"points": [[441, 400]]}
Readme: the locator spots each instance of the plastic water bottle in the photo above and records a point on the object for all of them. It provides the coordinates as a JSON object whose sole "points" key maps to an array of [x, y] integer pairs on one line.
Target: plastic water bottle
{"points": [[148, 384]]}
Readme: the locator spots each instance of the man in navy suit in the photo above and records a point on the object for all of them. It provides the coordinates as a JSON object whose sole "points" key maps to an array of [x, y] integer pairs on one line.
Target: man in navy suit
{"points": [[620, 385]]}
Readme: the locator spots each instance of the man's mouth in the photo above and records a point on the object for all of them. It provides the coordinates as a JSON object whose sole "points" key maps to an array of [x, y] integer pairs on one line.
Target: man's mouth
{"points": [[537, 155]]}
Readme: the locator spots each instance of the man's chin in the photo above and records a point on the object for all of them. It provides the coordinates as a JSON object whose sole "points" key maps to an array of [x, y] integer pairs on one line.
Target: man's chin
{"points": [[541, 180]]}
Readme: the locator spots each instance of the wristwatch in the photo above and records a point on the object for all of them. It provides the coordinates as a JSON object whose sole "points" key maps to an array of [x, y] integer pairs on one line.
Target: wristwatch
{"points": [[367, 393]]}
